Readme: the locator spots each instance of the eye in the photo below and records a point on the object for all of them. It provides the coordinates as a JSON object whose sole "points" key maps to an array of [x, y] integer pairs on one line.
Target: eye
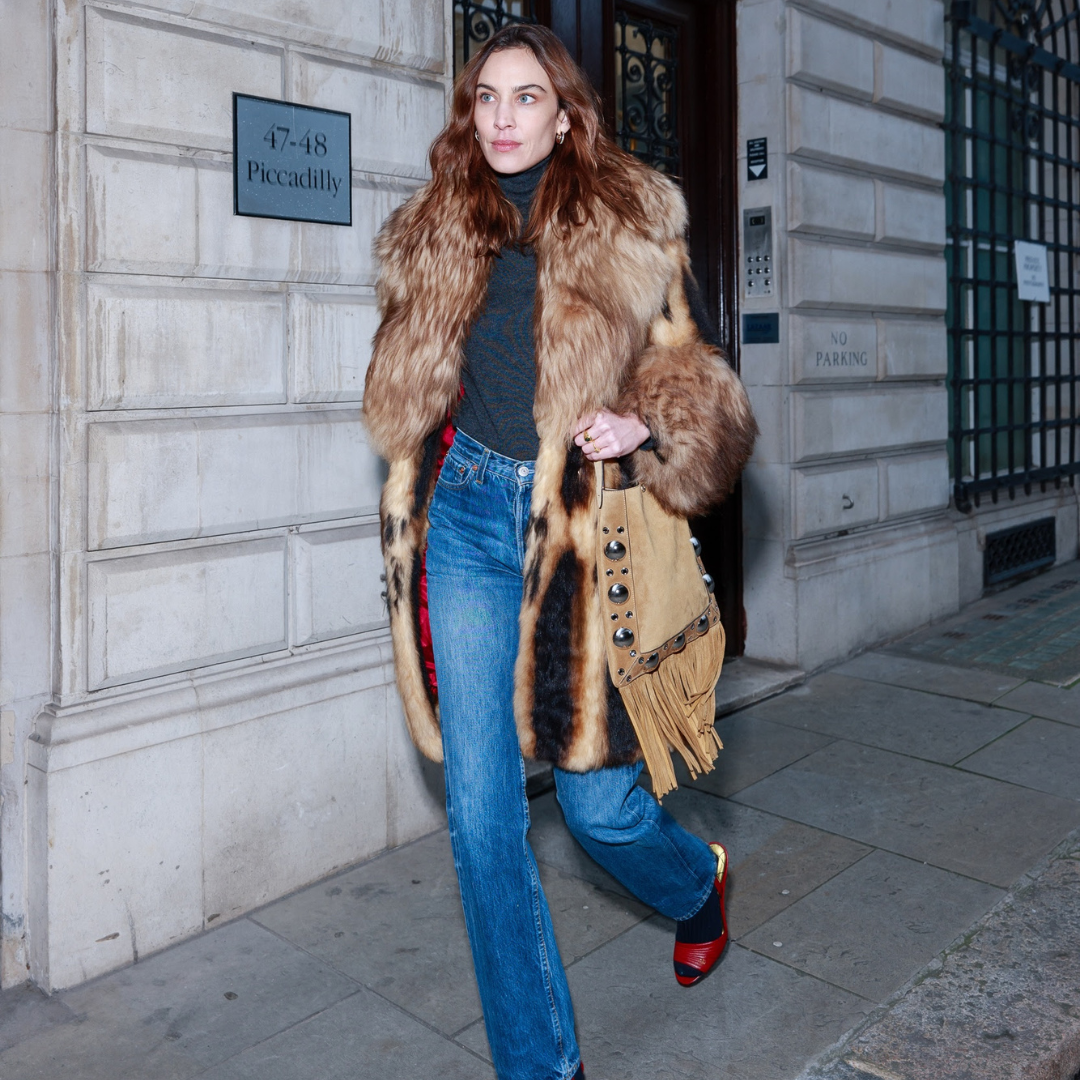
{"points": [[524, 99], [485, 97]]}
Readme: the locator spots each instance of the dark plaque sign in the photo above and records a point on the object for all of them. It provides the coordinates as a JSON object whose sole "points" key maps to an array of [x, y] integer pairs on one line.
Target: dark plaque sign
{"points": [[763, 329], [757, 159], [291, 161]]}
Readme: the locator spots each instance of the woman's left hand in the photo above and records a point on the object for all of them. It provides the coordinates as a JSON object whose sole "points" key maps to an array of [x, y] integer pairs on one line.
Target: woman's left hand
{"points": [[605, 435]]}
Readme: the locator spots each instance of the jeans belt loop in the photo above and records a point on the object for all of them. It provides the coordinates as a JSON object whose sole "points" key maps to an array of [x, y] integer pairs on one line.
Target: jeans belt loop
{"points": [[481, 469]]}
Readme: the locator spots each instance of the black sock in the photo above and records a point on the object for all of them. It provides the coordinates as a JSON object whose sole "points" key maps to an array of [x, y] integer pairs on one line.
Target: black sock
{"points": [[706, 925]]}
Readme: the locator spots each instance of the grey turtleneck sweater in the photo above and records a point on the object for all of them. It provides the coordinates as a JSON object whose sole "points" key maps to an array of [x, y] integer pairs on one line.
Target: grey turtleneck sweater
{"points": [[499, 373]]}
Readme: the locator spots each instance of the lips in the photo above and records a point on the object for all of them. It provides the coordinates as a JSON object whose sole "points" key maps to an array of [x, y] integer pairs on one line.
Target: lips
{"points": [[504, 145]]}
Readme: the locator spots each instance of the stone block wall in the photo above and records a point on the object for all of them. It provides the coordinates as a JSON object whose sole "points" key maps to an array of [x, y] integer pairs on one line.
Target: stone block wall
{"points": [[848, 539], [195, 576], [27, 459]]}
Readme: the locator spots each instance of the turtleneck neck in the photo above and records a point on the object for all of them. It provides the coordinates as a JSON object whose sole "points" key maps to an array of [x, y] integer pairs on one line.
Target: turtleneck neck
{"points": [[520, 187]]}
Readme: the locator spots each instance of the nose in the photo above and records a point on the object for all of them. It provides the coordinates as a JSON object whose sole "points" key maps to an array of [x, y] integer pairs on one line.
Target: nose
{"points": [[504, 117]]}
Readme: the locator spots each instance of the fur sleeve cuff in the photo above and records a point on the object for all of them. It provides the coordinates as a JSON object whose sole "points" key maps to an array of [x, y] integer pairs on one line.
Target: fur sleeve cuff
{"points": [[699, 415]]}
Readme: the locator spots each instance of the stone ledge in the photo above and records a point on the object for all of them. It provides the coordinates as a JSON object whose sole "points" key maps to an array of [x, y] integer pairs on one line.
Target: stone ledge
{"points": [[74, 734], [1001, 1003], [915, 24], [861, 547], [366, 41]]}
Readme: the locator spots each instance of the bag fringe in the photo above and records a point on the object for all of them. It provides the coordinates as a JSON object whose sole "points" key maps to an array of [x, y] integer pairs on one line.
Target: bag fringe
{"points": [[674, 708]]}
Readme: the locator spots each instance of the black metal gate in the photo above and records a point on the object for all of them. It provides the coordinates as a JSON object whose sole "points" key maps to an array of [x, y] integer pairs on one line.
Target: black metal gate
{"points": [[1013, 153]]}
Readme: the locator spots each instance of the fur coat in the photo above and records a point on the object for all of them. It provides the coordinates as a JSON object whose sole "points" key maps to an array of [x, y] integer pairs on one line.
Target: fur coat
{"points": [[613, 329]]}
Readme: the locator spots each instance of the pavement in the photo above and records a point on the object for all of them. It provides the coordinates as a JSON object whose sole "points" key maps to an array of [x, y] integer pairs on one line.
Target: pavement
{"points": [[904, 836]]}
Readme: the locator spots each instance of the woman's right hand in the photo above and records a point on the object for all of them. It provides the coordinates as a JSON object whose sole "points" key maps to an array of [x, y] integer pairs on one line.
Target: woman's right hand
{"points": [[604, 435]]}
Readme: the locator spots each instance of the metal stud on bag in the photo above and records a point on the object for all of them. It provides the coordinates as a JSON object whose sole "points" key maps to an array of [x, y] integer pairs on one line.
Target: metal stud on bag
{"points": [[614, 550], [618, 593], [623, 637]]}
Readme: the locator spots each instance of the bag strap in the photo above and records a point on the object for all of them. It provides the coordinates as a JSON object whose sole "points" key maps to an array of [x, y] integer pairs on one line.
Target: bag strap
{"points": [[601, 481]]}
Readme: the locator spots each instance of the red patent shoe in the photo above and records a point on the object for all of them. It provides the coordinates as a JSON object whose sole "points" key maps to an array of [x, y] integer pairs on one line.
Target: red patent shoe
{"points": [[694, 962]]}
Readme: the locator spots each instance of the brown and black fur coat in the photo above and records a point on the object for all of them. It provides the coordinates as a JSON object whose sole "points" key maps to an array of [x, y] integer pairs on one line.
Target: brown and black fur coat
{"points": [[613, 329]]}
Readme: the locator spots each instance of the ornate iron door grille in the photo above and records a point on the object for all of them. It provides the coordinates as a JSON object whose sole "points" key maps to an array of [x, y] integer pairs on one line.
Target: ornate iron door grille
{"points": [[1013, 151], [646, 83], [475, 23]]}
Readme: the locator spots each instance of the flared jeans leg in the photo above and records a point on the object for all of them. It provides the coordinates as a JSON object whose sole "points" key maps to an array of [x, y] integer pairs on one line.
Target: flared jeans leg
{"points": [[636, 840], [474, 594]]}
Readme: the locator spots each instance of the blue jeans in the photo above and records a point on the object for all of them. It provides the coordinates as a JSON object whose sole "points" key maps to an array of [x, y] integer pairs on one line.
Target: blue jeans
{"points": [[476, 550]]}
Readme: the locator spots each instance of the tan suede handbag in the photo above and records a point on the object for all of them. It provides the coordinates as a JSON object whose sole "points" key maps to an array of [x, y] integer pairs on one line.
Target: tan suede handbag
{"points": [[665, 642]]}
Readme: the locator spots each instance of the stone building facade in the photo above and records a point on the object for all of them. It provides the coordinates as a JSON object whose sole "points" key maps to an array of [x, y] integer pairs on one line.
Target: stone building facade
{"points": [[196, 682], [851, 535], [197, 710]]}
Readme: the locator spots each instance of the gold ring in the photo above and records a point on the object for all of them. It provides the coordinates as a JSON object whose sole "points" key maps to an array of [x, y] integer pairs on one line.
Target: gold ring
{"points": [[588, 437]]}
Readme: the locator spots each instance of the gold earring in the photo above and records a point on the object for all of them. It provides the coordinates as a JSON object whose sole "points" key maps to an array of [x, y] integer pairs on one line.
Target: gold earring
{"points": [[559, 137]]}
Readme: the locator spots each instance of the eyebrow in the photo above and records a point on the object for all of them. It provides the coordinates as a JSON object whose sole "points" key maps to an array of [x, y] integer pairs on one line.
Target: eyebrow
{"points": [[516, 89]]}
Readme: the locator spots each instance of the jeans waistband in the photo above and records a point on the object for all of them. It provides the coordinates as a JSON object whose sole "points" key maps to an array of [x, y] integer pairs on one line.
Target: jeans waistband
{"points": [[487, 462]]}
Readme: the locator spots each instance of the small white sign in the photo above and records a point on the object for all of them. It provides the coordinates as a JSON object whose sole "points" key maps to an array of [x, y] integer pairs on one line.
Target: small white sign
{"points": [[1032, 276]]}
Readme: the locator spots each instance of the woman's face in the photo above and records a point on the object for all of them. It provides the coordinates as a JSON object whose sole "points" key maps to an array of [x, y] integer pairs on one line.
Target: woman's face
{"points": [[516, 112]]}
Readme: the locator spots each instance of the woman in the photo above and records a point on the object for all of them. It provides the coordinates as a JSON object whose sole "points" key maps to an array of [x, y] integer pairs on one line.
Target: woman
{"points": [[534, 292]]}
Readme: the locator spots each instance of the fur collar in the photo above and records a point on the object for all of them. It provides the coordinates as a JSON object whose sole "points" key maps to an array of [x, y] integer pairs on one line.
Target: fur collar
{"points": [[598, 291]]}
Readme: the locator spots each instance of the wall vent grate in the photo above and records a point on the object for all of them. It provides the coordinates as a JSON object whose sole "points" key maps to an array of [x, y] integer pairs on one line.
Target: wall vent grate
{"points": [[1019, 550]]}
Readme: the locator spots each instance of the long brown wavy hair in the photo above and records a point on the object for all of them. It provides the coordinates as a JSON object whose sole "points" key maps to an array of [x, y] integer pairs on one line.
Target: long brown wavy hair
{"points": [[587, 166]]}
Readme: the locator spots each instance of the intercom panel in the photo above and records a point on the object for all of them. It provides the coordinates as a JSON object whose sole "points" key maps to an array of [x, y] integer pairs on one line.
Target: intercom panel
{"points": [[759, 275]]}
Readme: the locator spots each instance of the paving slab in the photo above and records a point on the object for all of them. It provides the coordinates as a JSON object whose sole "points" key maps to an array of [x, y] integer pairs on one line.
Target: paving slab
{"points": [[723, 820], [213, 996], [891, 717], [474, 1038], [753, 749], [363, 1036], [1031, 630], [585, 917], [751, 1019], [744, 681], [25, 1011], [1040, 754], [84, 1050], [395, 925], [792, 862], [967, 683], [869, 927], [1002, 1004], [182, 1010], [1049, 702], [677, 1040], [972, 825]]}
